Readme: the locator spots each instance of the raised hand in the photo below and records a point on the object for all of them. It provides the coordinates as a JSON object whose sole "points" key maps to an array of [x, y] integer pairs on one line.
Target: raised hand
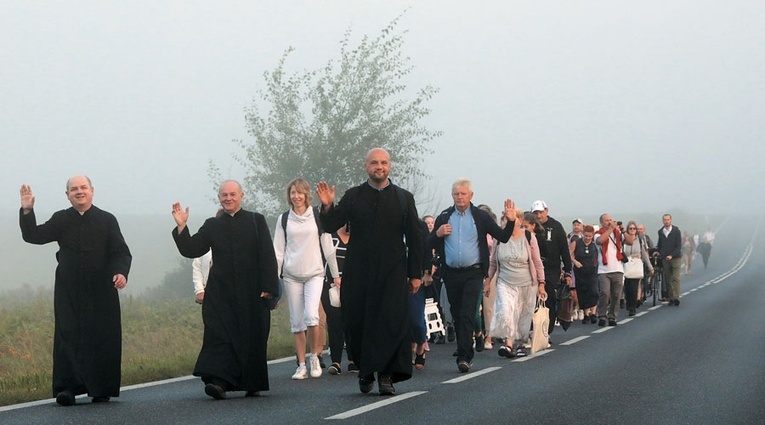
{"points": [[180, 215], [509, 209], [325, 193], [27, 199]]}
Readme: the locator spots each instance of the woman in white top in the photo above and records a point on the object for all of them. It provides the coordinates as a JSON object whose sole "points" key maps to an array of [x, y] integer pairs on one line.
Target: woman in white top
{"points": [[299, 251], [520, 279]]}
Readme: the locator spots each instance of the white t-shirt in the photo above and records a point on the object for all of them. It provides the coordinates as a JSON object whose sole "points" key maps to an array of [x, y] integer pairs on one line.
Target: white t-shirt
{"points": [[614, 265]]}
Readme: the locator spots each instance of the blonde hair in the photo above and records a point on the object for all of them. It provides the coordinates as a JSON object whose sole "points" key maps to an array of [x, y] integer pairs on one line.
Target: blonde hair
{"points": [[301, 186]]}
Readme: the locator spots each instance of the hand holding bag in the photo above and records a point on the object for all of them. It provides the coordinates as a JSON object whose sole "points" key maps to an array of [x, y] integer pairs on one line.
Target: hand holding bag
{"points": [[334, 295], [540, 320], [565, 304], [273, 302]]}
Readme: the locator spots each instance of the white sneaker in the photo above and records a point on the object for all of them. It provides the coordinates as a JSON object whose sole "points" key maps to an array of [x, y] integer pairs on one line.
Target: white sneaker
{"points": [[300, 373], [487, 346], [315, 366]]}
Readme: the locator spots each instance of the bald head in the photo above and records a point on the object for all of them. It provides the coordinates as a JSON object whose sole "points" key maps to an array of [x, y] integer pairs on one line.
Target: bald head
{"points": [[377, 164], [78, 177], [377, 151], [79, 191], [229, 183]]}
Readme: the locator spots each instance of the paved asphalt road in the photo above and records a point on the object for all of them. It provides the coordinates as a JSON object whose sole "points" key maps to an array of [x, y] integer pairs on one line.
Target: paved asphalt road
{"points": [[699, 363]]}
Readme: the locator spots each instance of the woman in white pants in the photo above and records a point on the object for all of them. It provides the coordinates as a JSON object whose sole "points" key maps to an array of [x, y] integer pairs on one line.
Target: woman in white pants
{"points": [[300, 247]]}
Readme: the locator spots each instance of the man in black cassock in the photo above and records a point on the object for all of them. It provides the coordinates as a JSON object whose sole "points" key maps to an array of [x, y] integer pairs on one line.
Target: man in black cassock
{"points": [[375, 292], [93, 262], [236, 317]]}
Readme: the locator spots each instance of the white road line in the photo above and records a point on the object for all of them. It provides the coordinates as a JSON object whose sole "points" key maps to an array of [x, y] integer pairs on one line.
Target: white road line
{"points": [[379, 404], [654, 307], [641, 313], [623, 321], [152, 384], [575, 340], [685, 293], [472, 375], [128, 388], [601, 330], [539, 353], [27, 404]]}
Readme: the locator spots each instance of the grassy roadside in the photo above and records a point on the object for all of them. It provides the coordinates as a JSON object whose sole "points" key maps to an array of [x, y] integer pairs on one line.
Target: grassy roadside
{"points": [[161, 339]]}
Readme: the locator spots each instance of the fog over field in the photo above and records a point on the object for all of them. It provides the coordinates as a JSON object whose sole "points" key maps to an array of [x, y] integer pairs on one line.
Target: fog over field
{"points": [[628, 106]]}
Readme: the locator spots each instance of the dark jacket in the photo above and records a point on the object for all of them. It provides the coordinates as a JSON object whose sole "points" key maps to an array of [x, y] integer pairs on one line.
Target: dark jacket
{"points": [[236, 319], [484, 225], [87, 338], [385, 248], [670, 245], [554, 238]]}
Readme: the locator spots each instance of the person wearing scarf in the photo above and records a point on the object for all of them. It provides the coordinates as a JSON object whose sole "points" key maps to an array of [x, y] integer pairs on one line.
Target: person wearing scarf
{"points": [[610, 270]]}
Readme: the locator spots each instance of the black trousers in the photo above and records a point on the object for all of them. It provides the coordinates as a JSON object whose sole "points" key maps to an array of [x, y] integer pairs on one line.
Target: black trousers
{"points": [[552, 280], [631, 292], [464, 288], [335, 327]]}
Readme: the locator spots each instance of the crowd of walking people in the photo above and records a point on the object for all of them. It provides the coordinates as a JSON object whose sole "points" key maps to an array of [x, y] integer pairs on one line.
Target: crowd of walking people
{"points": [[355, 273]]}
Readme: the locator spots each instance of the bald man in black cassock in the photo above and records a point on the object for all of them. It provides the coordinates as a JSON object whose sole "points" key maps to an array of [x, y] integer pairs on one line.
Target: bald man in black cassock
{"points": [[93, 263], [375, 290], [236, 316]]}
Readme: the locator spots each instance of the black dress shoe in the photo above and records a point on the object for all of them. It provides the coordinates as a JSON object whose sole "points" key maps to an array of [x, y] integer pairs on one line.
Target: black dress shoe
{"points": [[602, 322], [385, 385], [593, 319], [65, 398], [101, 399], [677, 302], [611, 322], [252, 394], [366, 384], [215, 391], [479, 343]]}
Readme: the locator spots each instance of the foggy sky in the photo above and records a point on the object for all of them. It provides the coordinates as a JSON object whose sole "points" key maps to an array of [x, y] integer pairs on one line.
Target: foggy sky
{"points": [[593, 106]]}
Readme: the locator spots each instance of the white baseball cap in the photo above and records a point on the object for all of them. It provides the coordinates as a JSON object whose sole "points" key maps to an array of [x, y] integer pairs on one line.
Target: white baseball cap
{"points": [[538, 205]]}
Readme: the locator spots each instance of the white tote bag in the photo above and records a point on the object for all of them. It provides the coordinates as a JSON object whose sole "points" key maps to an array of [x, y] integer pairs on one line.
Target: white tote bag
{"points": [[633, 269], [540, 320], [334, 295]]}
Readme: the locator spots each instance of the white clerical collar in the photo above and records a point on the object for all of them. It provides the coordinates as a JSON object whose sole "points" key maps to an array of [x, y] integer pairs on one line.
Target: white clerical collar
{"points": [[380, 189]]}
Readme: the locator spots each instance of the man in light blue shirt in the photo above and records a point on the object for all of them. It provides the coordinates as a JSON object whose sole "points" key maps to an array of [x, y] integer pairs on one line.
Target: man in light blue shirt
{"points": [[460, 238]]}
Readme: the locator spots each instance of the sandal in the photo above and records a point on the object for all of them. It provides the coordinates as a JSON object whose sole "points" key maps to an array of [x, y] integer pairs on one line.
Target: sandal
{"points": [[419, 361]]}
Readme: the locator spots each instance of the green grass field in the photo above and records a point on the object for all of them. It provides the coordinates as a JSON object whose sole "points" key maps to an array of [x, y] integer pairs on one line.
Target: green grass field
{"points": [[161, 339]]}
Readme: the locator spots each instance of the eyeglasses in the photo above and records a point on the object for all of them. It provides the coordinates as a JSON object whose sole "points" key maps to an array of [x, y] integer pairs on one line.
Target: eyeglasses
{"points": [[632, 228]]}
